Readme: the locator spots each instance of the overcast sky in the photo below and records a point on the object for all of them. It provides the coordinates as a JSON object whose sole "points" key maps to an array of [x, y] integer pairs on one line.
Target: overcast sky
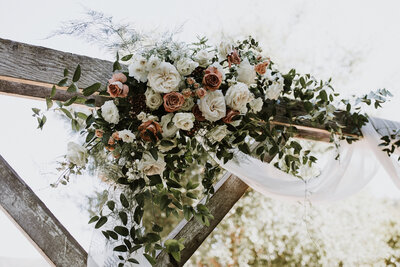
{"points": [[354, 42]]}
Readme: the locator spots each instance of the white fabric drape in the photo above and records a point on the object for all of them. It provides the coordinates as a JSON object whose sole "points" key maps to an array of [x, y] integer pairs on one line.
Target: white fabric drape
{"points": [[338, 179]]}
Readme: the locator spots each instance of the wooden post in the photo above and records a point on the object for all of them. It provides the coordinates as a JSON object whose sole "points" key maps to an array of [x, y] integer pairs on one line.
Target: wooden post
{"points": [[37, 222]]}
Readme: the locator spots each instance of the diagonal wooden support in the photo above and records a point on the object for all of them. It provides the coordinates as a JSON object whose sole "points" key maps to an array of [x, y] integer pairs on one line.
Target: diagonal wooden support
{"points": [[37, 222]]}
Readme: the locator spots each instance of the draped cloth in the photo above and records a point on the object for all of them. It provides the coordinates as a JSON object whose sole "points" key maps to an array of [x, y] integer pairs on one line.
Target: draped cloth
{"points": [[337, 179]]}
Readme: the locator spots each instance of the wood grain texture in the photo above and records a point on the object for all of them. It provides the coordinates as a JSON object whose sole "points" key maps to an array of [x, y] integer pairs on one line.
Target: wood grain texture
{"points": [[36, 63], [22, 88], [37, 222]]}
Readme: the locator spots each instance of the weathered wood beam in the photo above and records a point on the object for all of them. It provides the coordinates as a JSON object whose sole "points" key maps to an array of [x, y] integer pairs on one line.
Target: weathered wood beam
{"points": [[37, 222], [227, 192]]}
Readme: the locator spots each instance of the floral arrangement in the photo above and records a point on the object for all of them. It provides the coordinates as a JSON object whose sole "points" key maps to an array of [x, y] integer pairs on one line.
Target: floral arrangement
{"points": [[175, 104]]}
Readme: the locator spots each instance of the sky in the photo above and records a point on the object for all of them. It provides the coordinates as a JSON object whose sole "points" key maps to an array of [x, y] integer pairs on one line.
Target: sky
{"points": [[354, 42]]}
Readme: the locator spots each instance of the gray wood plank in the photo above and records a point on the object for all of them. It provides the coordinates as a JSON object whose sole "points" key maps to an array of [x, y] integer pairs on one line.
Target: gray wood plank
{"points": [[36, 63], [37, 222]]}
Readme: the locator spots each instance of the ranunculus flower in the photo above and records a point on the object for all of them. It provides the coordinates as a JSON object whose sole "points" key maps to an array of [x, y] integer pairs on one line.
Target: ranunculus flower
{"points": [[246, 73], [109, 111], [150, 166], [168, 127], [203, 57], [126, 136], [261, 68], [230, 116], [153, 99], [173, 101], [274, 90], [186, 66], [188, 104], [197, 113], [256, 104], [212, 105], [233, 58], [212, 78], [164, 79], [237, 96], [151, 126], [77, 154], [184, 121]]}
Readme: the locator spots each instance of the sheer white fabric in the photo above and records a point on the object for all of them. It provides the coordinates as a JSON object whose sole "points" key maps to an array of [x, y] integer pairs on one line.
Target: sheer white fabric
{"points": [[338, 179]]}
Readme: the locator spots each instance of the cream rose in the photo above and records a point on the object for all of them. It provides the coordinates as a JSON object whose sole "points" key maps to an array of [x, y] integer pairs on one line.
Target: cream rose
{"points": [[153, 63], [203, 57], [246, 72], [225, 49], [218, 133], [256, 104], [188, 104], [137, 69], [126, 136], [168, 127], [153, 100], [274, 90], [184, 121], [77, 154], [109, 111], [164, 79], [212, 106], [150, 166], [238, 96], [185, 66]]}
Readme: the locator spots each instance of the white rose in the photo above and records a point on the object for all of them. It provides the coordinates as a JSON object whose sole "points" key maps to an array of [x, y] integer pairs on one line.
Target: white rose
{"points": [[238, 96], [186, 66], [256, 104], [137, 69], [188, 104], [164, 79], [153, 100], [274, 90], [203, 57], [184, 121], [153, 63], [218, 133], [212, 106], [126, 136], [168, 127], [246, 72], [225, 48], [150, 166], [77, 154], [109, 111], [141, 116]]}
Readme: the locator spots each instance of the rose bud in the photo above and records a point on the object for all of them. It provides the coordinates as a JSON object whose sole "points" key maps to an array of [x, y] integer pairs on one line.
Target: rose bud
{"points": [[190, 81], [111, 141], [261, 68], [233, 58], [196, 85], [212, 78], [110, 148], [230, 115], [148, 129], [98, 133], [201, 92], [115, 135], [173, 101], [187, 92]]}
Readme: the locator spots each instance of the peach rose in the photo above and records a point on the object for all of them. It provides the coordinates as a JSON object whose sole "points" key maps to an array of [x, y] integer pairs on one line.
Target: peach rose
{"points": [[117, 89], [111, 141], [212, 78], [201, 92], [115, 135], [187, 92], [233, 58], [98, 133], [149, 128], [230, 115], [173, 101], [198, 115], [118, 77], [261, 68]]}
